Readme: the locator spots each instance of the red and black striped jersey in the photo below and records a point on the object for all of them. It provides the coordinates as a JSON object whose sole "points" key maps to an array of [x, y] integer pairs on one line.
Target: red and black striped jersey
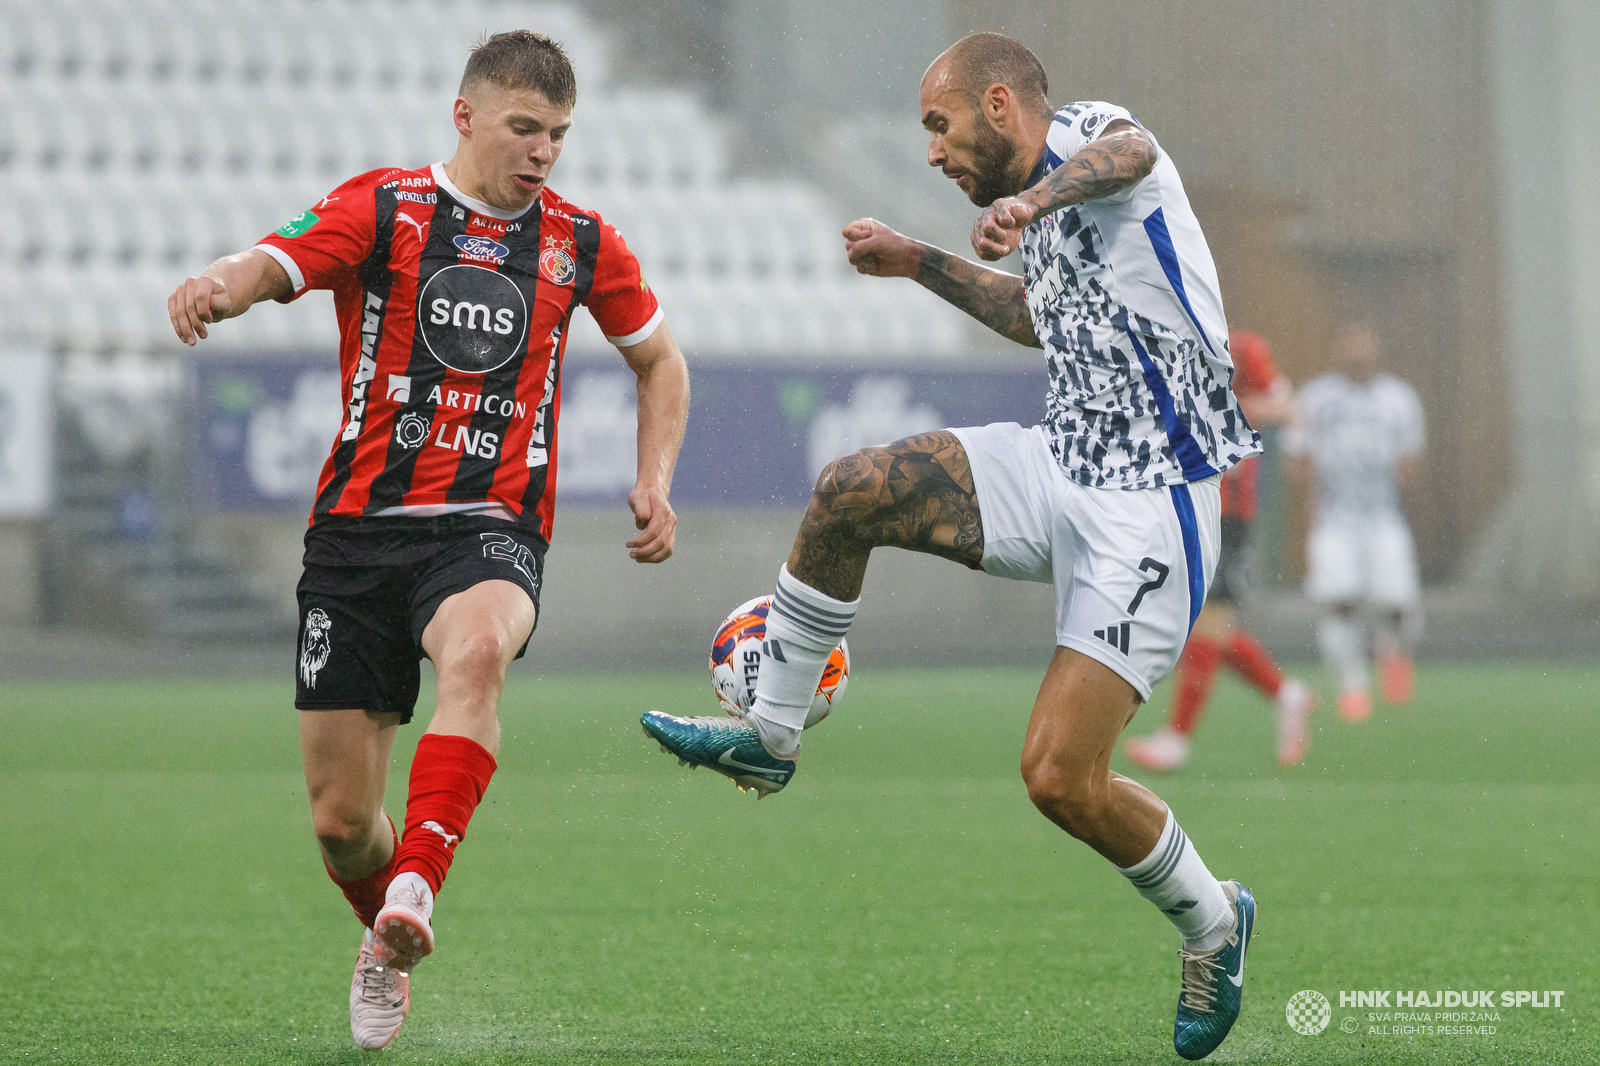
{"points": [[453, 318]]}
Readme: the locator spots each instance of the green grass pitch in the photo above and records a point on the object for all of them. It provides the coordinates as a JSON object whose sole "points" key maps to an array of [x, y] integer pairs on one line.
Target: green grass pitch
{"points": [[900, 902]]}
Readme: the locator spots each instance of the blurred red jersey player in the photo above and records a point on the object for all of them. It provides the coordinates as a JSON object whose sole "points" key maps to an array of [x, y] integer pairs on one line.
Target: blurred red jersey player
{"points": [[1218, 639], [454, 285]]}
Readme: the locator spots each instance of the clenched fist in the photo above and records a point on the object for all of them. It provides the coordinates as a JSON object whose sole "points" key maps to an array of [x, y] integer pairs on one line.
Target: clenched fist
{"points": [[998, 231], [876, 249]]}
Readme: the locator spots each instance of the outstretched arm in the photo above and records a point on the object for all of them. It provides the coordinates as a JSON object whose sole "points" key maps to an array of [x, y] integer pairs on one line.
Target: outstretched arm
{"points": [[993, 297], [227, 289], [663, 412], [1121, 156]]}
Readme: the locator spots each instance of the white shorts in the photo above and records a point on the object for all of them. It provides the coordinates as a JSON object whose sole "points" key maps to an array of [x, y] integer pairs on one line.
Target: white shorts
{"points": [[1356, 558], [1130, 566]]}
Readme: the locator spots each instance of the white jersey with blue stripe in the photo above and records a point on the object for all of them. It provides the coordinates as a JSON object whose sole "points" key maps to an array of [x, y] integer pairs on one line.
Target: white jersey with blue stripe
{"points": [[1124, 299]]}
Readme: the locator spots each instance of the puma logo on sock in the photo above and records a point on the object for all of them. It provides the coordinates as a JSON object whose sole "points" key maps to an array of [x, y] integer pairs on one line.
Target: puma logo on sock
{"points": [[449, 838]]}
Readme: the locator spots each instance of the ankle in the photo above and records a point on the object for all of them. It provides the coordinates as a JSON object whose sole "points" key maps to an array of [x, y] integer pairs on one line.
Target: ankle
{"points": [[780, 741], [1213, 938]]}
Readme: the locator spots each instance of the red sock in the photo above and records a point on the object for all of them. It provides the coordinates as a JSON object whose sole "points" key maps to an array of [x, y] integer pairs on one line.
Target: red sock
{"points": [[1197, 668], [366, 895], [448, 778], [1250, 661]]}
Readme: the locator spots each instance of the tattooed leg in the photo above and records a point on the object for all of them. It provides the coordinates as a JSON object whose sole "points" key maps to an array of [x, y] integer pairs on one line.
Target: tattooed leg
{"points": [[915, 494]]}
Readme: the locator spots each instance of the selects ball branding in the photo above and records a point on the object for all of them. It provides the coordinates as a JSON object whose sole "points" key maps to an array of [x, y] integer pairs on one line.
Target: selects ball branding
{"points": [[736, 662]]}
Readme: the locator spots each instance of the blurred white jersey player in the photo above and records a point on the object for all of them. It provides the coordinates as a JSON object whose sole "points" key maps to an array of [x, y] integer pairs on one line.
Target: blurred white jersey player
{"points": [[1356, 442]]}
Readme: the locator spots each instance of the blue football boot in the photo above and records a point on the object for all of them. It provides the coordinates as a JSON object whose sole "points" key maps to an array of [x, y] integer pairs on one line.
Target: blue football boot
{"points": [[1213, 983], [730, 746]]}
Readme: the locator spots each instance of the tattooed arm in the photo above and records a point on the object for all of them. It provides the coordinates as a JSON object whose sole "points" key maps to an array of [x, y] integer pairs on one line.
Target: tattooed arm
{"points": [[1121, 156], [993, 297]]}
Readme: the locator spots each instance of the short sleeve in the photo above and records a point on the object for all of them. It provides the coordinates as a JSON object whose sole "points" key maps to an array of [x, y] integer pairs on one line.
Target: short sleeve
{"points": [[620, 299], [1077, 124], [321, 246]]}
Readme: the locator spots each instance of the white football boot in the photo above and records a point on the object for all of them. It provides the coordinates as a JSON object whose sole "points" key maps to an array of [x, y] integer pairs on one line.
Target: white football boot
{"points": [[380, 996], [404, 935]]}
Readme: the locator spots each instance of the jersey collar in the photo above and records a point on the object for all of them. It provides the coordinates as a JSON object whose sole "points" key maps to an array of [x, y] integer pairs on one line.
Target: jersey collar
{"points": [[1040, 168], [442, 179]]}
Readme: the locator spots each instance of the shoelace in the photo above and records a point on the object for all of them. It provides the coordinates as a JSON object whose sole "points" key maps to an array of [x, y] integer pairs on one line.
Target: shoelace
{"points": [[717, 728], [1199, 979], [377, 982]]}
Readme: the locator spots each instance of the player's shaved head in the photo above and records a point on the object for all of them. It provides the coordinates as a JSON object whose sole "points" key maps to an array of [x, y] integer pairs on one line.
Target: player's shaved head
{"points": [[521, 60], [984, 106], [980, 60]]}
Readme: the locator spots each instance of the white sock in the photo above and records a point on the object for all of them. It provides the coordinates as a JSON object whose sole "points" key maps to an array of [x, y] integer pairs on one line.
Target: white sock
{"points": [[1175, 880], [803, 628], [1343, 643]]}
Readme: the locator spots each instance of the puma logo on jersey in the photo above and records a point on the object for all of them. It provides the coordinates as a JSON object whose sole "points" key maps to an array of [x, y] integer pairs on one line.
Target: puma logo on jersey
{"points": [[326, 200], [403, 217], [449, 838]]}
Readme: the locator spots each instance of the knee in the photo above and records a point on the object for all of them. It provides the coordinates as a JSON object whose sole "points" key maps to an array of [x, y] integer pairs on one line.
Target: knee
{"points": [[838, 498], [478, 656], [1065, 797], [342, 827], [827, 505]]}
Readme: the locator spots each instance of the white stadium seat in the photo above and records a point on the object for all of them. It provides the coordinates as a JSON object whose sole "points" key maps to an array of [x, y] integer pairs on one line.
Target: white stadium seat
{"points": [[143, 138]]}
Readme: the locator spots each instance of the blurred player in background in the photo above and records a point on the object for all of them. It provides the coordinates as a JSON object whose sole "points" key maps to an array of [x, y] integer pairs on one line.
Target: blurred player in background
{"points": [[1218, 639], [1114, 498], [454, 285], [1356, 443]]}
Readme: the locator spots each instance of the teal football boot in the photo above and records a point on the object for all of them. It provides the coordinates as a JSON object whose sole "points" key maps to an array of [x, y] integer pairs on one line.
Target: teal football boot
{"points": [[730, 746], [1213, 983]]}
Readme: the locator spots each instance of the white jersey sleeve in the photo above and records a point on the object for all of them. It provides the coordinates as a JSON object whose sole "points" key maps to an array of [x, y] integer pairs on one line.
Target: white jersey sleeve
{"points": [[1075, 126]]}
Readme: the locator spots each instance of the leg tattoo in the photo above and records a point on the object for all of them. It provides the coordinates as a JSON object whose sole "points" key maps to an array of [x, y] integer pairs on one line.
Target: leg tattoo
{"points": [[915, 494]]}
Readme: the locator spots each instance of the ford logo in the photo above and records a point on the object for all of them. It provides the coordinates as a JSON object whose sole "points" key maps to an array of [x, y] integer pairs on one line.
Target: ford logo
{"points": [[481, 247]]}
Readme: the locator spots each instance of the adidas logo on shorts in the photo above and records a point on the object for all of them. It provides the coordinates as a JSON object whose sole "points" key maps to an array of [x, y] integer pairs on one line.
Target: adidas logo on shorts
{"points": [[1115, 635]]}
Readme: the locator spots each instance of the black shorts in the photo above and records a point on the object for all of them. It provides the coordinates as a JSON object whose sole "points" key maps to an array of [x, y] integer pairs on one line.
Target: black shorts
{"points": [[369, 589], [1233, 564]]}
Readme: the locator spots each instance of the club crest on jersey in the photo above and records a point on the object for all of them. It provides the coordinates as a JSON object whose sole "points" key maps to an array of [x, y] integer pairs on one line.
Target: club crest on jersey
{"points": [[555, 262], [411, 430], [476, 246]]}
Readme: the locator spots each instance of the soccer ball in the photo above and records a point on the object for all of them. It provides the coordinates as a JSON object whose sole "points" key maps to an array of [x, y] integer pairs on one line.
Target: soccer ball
{"points": [[736, 660]]}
